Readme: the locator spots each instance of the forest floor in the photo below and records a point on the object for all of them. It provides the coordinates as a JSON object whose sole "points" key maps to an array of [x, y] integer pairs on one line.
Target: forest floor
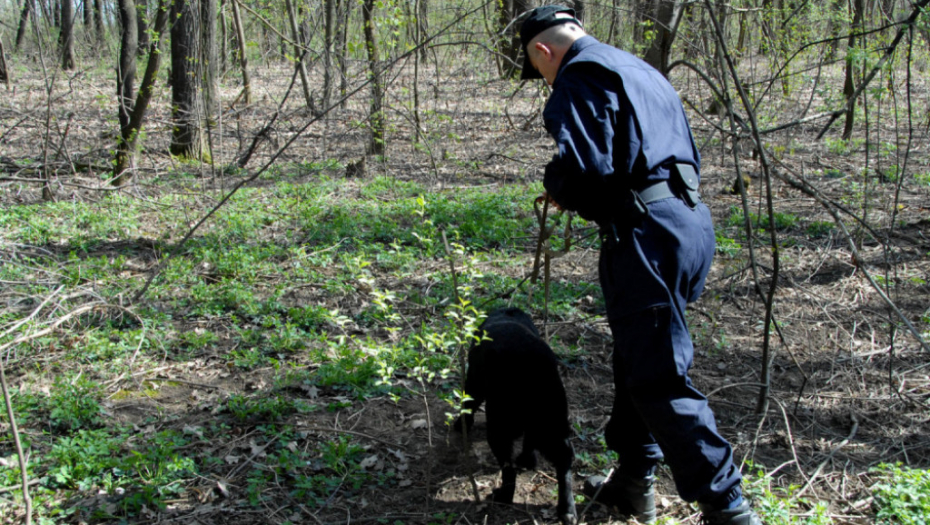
{"points": [[251, 378]]}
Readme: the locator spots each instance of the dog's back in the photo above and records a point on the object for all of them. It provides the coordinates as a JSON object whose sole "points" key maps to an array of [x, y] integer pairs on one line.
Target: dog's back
{"points": [[522, 371]]}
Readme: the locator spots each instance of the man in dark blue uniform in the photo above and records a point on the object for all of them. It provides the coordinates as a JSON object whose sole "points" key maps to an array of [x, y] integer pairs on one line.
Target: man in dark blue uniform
{"points": [[626, 160]]}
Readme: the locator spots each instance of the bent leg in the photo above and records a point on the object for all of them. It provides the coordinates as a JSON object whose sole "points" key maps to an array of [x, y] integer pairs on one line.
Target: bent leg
{"points": [[655, 350]]}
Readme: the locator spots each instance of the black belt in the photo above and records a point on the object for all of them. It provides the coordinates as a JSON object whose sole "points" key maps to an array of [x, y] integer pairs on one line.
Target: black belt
{"points": [[683, 183], [656, 192]]}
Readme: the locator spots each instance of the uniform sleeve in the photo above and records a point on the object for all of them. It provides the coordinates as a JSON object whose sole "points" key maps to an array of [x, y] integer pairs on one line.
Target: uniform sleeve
{"points": [[582, 116]]}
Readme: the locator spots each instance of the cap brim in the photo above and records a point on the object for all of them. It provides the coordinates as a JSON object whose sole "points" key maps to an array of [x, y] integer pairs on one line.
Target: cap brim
{"points": [[529, 72]]}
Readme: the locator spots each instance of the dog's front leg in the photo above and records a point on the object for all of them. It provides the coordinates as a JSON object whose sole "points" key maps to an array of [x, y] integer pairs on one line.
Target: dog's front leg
{"points": [[504, 493], [566, 507]]}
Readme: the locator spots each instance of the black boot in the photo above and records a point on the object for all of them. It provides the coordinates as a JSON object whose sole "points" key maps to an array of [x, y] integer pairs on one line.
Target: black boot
{"points": [[740, 515], [634, 497]]}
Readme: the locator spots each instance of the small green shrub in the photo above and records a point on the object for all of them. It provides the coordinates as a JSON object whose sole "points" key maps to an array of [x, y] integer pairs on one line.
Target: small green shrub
{"points": [[264, 408], [727, 246], [83, 460], [779, 505], [902, 495], [820, 228], [74, 403]]}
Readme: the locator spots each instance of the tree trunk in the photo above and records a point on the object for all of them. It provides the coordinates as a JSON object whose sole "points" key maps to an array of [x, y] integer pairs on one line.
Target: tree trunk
{"points": [[126, 70], [130, 134], [422, 26], [509, 41], [186, 140], [4, 72], [299, 52], [222, 64], [65, 39], [23, 22], [209, 62], [329, 8], [342, 10], [849, 84], [376, 115], [579, 7], [665, 15], [638, 16], [243, 60], [142, 30], [98, 19]]}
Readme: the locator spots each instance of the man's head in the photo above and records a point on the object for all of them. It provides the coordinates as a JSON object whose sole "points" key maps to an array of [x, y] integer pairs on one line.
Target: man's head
{"points": [[546, 34]]}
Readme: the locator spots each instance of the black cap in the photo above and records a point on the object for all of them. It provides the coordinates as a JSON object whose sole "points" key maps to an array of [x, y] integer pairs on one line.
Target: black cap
{"points": [[537, 21]]}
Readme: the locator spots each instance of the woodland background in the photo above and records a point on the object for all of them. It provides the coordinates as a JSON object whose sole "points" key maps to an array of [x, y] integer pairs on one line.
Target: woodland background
{"points": [[244, 247]]}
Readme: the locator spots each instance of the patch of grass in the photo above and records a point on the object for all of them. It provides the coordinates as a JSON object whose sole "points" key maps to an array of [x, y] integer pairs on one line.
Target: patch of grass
{"points": [[350, 368], [264, 408], [156, 472], [782, 221], [820, 229]]}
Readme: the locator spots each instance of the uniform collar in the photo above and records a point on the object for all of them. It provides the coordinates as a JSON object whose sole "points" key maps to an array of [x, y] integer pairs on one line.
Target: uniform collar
{"points": [[577, 47]]}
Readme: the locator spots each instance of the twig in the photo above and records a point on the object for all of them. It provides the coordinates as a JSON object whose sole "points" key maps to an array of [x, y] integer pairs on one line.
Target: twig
{"points": [[794, 452], [596, 494], [462, 367], [351, 432], [829, 457]]}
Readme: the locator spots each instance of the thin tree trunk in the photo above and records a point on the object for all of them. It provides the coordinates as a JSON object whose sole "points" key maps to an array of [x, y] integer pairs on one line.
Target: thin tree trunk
{"points": [[130, 134], [849, 84], [376, 115], [4, 72], [343, 10], [98, 19], [243, 60], [417, 40], [186, 139], [638, 17], [224, 40], [614, 21], [142, 20], [422, 26], [88, 15], [126, 73], [209, 62], [299, 52], [23, 21], [329, 8], [65, 38]]}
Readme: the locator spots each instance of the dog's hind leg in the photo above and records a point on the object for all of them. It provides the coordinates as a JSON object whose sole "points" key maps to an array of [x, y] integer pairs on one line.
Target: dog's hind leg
{"points": [[527, 458], [502, 446], [561, 454], [504, 493]]}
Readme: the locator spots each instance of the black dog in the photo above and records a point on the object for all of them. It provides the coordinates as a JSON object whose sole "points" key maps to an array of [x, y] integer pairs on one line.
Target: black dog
{"points": [[516, 374]]}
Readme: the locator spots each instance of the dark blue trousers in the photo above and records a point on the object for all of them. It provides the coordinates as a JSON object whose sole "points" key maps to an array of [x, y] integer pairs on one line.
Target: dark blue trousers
{"points": [[649, 272]]}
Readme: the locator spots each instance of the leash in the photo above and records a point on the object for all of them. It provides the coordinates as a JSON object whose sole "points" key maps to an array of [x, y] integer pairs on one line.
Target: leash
{"points": [[544, 252]]}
